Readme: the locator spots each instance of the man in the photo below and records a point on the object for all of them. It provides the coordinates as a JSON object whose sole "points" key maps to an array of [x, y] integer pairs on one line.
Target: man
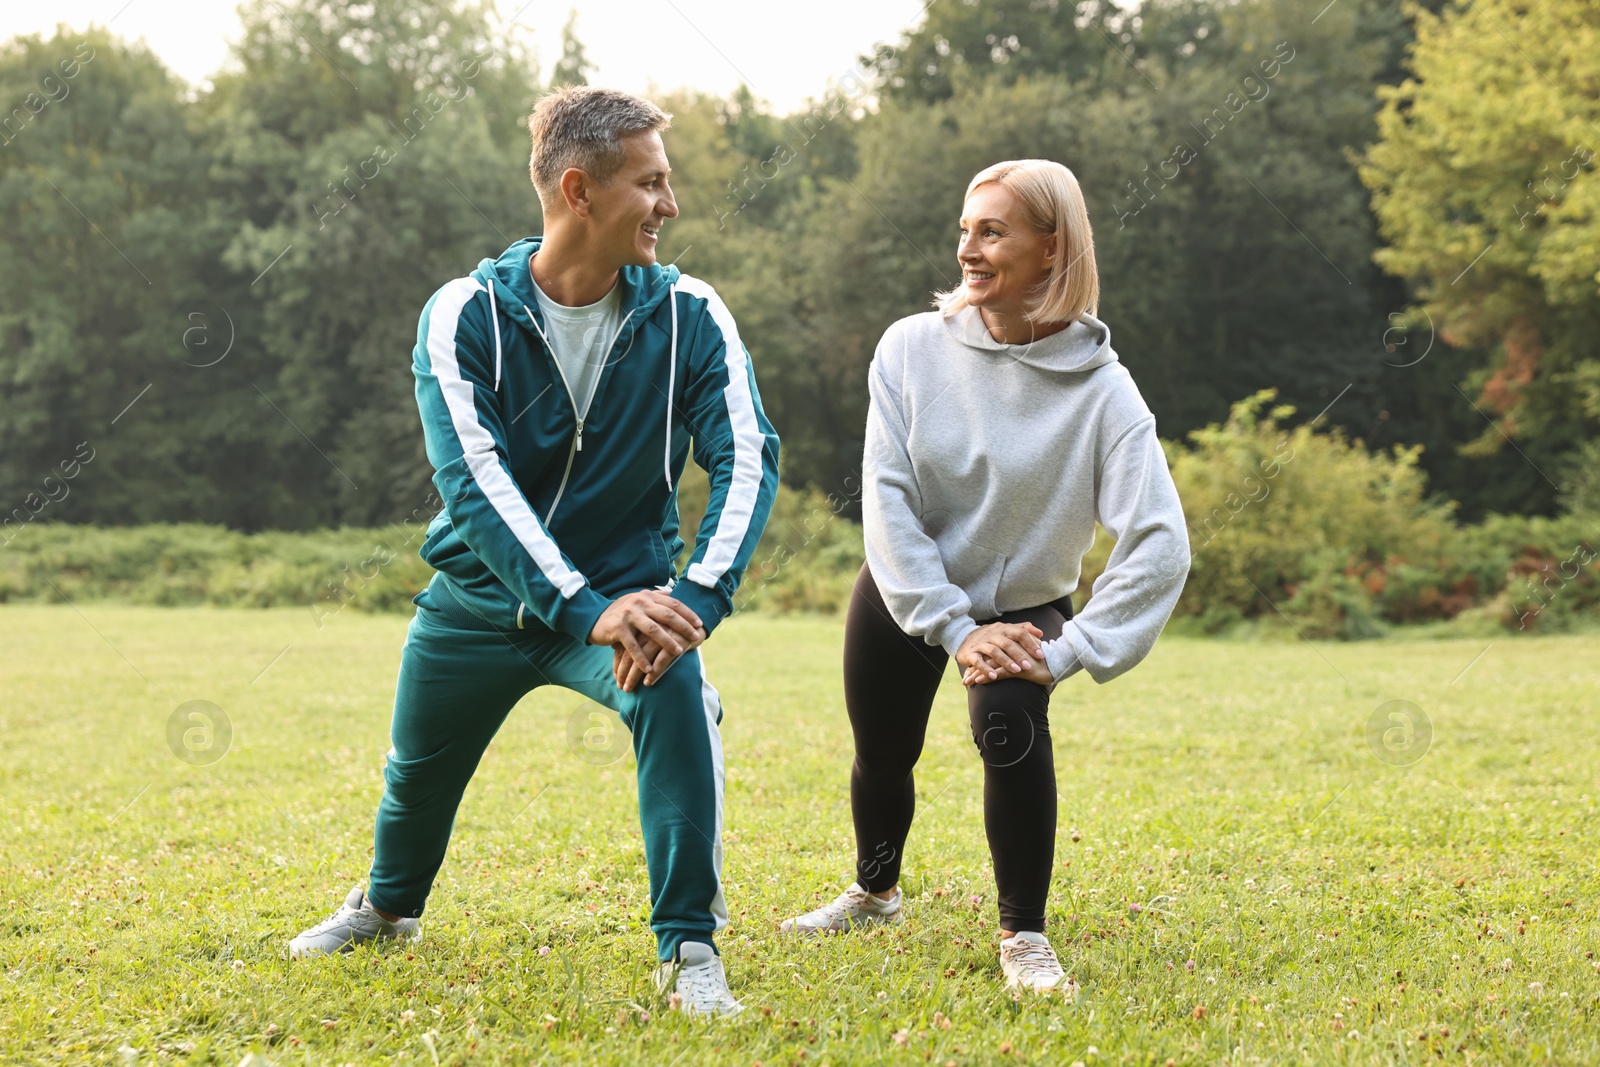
{"points": [[560, 388]]}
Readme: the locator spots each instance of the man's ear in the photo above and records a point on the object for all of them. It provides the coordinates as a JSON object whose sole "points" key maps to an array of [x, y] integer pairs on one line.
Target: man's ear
{"points": [[575, 188]]}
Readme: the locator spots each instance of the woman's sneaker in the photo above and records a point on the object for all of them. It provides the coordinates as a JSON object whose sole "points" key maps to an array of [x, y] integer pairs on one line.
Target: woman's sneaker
{"points": [[356, 921], [850, 909], [1028, 962], [698, 983]]}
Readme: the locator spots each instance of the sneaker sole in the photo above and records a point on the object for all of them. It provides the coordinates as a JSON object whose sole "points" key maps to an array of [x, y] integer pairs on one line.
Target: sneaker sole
{"points": [[788, 927], [348, 947], [1066, 988], [715, 1013]]}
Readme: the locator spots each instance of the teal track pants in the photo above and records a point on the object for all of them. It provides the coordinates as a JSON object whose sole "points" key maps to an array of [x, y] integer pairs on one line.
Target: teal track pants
{"points": [[461, 676]]}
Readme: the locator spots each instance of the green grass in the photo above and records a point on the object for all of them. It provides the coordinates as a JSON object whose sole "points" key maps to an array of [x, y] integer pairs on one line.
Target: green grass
{"points": [[1225, 787]]}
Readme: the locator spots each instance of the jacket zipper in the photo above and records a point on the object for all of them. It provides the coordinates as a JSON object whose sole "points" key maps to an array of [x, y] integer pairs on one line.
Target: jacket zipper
{"points": [[594, 387], [562, 488], [577, 437]]}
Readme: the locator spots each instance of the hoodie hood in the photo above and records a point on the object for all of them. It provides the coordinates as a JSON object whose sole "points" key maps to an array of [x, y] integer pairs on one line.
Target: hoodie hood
{"points": [[1083, 346], [643, 288]]}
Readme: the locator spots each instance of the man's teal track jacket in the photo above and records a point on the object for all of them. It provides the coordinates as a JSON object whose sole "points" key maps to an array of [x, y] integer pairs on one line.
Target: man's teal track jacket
{"points": [[547, 518]]}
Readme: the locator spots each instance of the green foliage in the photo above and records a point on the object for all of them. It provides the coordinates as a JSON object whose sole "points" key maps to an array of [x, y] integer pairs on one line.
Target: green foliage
{"points": [[245, 269], [1548, 579], [1292, 529], [1001, 40], [1483, 180], [1296, 528], [573, 68], [1244, 267], [1303, 522], [374, 186], [171, 565], [244, 264], [95, 242], [1581, 484], [806, 561]]}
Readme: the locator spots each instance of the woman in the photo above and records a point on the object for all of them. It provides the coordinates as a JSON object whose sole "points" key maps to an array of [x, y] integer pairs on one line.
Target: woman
{"points": [[1001, 428]]}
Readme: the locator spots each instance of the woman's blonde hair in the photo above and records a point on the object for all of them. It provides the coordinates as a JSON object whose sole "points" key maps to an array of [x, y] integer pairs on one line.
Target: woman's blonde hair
{"points": [[1053, 206]]}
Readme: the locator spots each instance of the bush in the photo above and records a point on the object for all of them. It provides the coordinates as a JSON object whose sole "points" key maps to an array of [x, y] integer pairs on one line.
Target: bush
{"points": [[806, 561], [324, 571], [808, 555], [1308, 529], [1311, 526], [1290, 528], [1543, 578]]}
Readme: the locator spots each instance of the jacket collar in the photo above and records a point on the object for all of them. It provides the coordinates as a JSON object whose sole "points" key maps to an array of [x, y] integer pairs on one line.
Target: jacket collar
{"points": [[642, 288]]}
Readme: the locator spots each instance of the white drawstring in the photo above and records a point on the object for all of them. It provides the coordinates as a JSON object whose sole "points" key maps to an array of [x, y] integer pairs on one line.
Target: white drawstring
{"points": [[672, 363], [672, 379], [494, 322]]}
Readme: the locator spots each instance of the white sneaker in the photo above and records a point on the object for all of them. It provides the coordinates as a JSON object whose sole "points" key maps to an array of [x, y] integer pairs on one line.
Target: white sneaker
{"points": [[699, 985], [850, 909], [355, 922], [1028, 962]]}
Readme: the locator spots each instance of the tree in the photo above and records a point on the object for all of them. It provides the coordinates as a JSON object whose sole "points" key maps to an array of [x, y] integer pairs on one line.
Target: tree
{"points": [[219, 294], [98, 256], [293, 219], [1232, 232], [364, 170], [573, 68], [1483, 180], [1001, 39]]}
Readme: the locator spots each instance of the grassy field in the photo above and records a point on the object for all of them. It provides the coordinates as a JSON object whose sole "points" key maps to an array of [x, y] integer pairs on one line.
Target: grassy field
{"points": [[1240, 877]]}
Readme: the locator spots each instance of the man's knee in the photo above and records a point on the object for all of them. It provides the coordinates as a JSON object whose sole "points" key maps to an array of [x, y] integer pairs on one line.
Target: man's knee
{"points": [[424, 780], [680, 694]]}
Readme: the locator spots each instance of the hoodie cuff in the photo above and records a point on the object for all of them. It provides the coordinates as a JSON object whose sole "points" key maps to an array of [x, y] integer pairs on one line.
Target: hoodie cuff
{"points": [[709, 604], [579, 612], [954, 632], [1061, 656]]}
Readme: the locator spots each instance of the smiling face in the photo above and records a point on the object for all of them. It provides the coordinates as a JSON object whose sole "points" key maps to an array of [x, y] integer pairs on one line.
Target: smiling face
{"points": [[626, 213], [1002, 259]]}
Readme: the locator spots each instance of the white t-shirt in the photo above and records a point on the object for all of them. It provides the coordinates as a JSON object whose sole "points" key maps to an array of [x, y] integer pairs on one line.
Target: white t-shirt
{"points": [[580, 339]]}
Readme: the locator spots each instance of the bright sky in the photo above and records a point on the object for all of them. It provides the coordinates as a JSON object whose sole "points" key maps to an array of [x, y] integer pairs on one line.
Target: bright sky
{"points": [[785, 52]]}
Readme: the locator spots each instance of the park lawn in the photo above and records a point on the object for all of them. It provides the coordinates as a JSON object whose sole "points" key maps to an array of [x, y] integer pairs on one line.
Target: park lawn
{"points": [[1299, 899]]}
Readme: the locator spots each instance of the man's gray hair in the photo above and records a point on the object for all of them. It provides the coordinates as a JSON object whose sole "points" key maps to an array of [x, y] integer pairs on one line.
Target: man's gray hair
{"points": [[582, 126]]}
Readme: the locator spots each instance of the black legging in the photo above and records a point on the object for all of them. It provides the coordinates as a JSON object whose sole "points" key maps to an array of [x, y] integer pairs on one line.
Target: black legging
{"points": [[890, 679]]}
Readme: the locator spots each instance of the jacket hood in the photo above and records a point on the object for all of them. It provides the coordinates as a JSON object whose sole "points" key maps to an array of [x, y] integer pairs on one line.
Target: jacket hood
{"points": [[643, 288], [1083, 346]]}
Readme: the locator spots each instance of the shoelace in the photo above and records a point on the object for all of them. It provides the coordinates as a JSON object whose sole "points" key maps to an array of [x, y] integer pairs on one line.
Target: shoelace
{"points": [[341, 917], [336, 918], [702, 983], [840, 908], [1037, 959]]}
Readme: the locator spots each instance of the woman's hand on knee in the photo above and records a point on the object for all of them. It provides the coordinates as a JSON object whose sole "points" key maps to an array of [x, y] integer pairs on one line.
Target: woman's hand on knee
{"points": [[1038, 674], [1002, 650]]}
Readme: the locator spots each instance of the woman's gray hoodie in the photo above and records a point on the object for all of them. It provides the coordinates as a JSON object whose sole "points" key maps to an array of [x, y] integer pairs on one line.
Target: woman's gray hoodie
{"points": [[986, 468]]}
